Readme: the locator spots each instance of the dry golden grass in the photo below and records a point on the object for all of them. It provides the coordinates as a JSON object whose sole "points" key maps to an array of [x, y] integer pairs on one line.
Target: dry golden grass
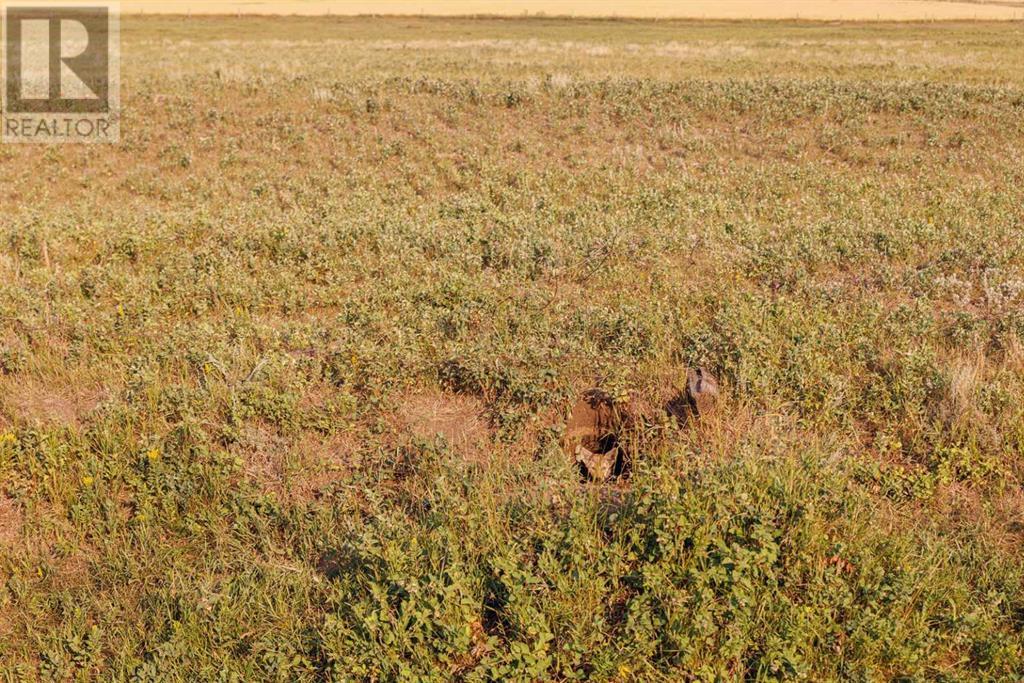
{"points": [[284, 375], [831, 10]]}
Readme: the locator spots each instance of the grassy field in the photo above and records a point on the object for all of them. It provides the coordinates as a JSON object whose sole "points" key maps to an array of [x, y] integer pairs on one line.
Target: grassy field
{"points": [[284, 375], [822, 10]]}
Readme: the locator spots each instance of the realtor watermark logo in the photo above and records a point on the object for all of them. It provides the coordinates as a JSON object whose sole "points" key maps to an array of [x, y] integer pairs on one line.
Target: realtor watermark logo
{"points": [[61, 71]]}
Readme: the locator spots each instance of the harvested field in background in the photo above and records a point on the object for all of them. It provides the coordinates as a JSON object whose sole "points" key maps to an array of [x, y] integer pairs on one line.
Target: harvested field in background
{"points": [[820, 10]]}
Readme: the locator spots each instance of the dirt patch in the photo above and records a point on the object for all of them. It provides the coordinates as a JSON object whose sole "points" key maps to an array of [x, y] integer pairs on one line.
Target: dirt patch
{"points": [[263, 452], [320, 462], [45, 404], [11, 521], [73, 570], [46, 543], [458, 418], [294, 469]]}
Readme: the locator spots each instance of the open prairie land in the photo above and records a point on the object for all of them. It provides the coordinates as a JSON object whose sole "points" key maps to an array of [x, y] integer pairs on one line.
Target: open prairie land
{"points": [[285, 375], [822, 10]]}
